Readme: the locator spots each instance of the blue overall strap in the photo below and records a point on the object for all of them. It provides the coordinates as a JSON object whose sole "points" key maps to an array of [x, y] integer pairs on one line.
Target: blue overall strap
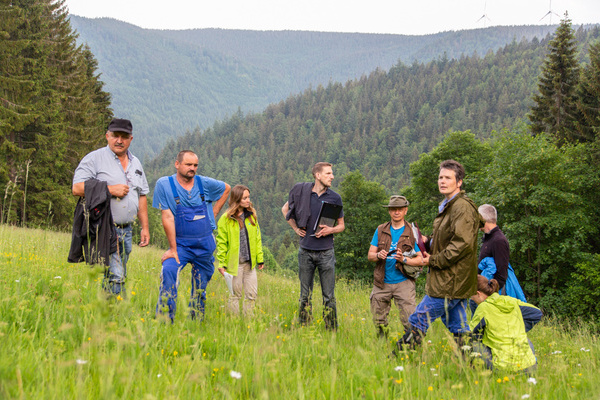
{"points": [[199, 181], [174, 189]]}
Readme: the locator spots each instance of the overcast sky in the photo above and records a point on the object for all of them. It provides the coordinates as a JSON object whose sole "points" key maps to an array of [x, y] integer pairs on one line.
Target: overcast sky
{"points": [[372, 16]]}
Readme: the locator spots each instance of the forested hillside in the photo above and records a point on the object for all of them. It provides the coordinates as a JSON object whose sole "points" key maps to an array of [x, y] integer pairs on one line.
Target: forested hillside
{"points": [[377, 124], [53, 110], [170, 82], [542, 177]]}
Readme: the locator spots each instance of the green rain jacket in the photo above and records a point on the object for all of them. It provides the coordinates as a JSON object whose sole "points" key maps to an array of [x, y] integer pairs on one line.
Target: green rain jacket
{"points": [[453, 263], [504, 332], [228, 243]]}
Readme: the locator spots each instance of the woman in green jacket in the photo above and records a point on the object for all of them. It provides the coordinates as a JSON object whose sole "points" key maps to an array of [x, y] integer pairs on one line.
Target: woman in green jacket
{"points": [[239, 249], [500, 325]]}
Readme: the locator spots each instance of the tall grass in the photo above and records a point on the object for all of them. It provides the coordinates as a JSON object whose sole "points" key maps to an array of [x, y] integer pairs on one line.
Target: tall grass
{"points": [[60, 338]]}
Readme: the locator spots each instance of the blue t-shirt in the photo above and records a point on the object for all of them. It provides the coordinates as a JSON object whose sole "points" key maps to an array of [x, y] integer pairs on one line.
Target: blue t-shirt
{"points": [[164, 199], [392, 274]]}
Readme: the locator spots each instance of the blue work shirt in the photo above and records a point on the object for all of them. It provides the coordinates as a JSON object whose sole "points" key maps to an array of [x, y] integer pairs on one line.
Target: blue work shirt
{"points": [[309, 242], [392, 274], [104, 165], [164, 199]]}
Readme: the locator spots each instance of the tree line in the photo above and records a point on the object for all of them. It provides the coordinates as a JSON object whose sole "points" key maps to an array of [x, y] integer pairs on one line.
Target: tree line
{"points": [[52, 110], [385, 133], [543, 179], [182, 79], [377, 124]]}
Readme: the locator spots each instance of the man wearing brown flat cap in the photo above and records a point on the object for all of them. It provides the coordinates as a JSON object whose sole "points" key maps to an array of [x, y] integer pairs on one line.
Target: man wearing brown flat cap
{"points": [[114, 174], [393, 248]]}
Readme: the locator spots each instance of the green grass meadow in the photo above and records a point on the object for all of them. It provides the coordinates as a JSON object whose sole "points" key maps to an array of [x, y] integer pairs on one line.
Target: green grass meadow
{"points": [[61, 339]]}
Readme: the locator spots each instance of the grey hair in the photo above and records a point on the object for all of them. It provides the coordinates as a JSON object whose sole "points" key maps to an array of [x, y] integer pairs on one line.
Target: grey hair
{"points": [[488, 212]]}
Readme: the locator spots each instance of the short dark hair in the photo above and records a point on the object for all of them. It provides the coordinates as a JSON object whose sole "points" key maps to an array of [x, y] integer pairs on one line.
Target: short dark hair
{"points": [[459, 170], [319, 167], [183, 153]]}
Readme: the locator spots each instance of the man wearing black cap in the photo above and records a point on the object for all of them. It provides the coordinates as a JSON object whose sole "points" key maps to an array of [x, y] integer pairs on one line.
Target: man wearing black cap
{"points": [[128, 187], [393, 246]]}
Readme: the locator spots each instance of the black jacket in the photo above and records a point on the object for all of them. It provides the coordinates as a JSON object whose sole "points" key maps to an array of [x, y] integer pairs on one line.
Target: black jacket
{"points": [[496, 245], [94, 234], [299, 203]]}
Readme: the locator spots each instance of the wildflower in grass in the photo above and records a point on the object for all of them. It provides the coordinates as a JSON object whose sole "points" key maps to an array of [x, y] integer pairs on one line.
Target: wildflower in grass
{"points": [[499, 380], [584, 349], [119, 298], [57, 277], [477, 382], [175, 353], [235, 374], [132, 293], [430, 388], [89, 338], [399, 368], [398, 381], [556, 352], [80, 361], [159, 375], [506, 379], [525, 396]]}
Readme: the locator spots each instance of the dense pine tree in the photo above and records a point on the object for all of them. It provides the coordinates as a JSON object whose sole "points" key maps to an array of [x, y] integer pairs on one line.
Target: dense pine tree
{"points": [[555, 109], [589, 96], [52, 108]]}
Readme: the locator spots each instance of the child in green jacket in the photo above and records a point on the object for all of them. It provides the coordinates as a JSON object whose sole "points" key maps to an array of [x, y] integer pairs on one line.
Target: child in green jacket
{"points": [[499, 327], [239, 249]]}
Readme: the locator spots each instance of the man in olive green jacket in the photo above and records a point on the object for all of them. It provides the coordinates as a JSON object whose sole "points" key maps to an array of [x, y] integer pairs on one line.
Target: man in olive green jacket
{"points": [[452, 261]]}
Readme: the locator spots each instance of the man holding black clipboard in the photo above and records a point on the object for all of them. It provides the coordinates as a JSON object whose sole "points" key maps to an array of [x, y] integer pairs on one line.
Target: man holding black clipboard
{"points": [[309, 210]]}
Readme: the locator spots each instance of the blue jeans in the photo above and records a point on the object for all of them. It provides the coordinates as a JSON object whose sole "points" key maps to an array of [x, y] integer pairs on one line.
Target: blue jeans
{"points": [[202, 272], [115, 274], [324, 262], [453, 313]]}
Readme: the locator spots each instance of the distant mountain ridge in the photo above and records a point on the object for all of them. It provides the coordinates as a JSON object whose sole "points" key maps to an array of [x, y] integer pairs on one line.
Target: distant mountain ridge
{"points": [[169, 82]]}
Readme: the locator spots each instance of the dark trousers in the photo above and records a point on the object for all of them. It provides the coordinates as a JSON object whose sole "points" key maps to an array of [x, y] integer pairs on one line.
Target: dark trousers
{"points": [[324, 262]]}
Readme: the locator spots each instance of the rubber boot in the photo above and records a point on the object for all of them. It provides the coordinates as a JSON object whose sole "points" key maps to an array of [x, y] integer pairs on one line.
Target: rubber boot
{"points": [[411, 339], [382, 331]]}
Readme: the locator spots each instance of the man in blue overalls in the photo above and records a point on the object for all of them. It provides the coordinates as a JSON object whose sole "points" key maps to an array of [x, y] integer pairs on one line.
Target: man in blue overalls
{"points": [[189, 204]]}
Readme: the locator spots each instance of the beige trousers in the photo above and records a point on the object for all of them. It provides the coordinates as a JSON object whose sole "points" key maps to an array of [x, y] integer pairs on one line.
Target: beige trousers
{"points": [[403, 293], [247, 281]]}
